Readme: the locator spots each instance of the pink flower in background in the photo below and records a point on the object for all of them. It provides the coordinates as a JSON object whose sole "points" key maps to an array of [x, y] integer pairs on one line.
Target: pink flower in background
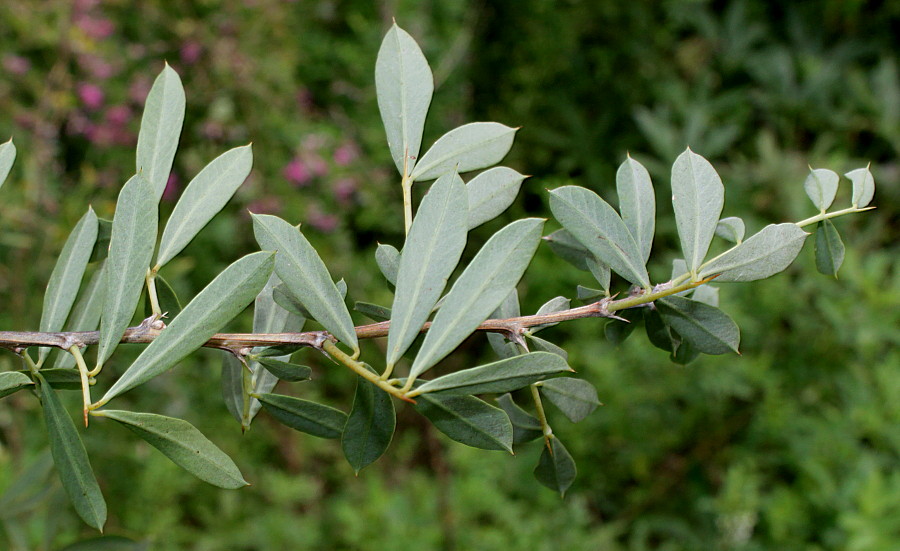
{"points": [[171, 191], [190, 52], [119, 115], [96, 66], [344, 189], [97, 28], [325, 223], [346, 154], [296, 172], [90, 95], [84, 5], [266, 205], [16, 64], [213, 130], [139, 88], [318, 165]]}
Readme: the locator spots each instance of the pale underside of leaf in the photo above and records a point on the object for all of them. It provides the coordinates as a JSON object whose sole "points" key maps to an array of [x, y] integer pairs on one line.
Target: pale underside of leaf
{"points": [[698, 197], [821, 186], [160, 130], [469, 147], [762, 255], [7, 158], [637, 204], [492, 192]]}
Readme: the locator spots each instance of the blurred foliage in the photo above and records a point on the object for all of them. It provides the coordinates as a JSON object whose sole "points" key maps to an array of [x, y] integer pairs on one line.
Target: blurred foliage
{"points": [[793, 445]]}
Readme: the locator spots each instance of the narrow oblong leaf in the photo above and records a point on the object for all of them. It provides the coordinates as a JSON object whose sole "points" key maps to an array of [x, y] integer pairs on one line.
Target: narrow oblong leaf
{"points": [[13, 381], [555, 304], [433, 246], [7, 158], [388, 259], [101, 246], [509, 308], [698, 196], [305, 416], [576, 398], [304, 274], [863, 186], [160, 130], [404, 85], [71, 460], [492, 192], [565, 246], [468, 420], [65, 279], [637, 203], [829, 248], [705, 327], [374, 311], [497, 377], [482, 287], [821, 186], [232, 386], [186, 446], [131, 246], [370, 425], [556, 468], [526, 427], [217, 304], [601, 273], [59, 378], [469, 147], [203, 198], [762, 255], [731, 229], [598, 227], [542, 345], [285, 371]]}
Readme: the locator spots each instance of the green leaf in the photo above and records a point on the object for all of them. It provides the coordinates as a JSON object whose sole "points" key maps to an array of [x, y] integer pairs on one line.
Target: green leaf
{"points": [[555, 304], [497, 377], [509, 308], [374, 311], [469, 147], [556, 468], [305, 276], [107, 543], [468, 420], [565, 246], [617, 331], [60, 378], [130, 249], [232, 385], [705, 327], [71, 460], [863, 186], [13, 381], [637, 203], [388, 259], [7, 158], [526, 427], [762, 255], [698, 196], [203, 198], [731, 229], [168, 300], [821, 186], [547, 346], [492, 192], [576, 398], [597, 226], [706, 294], [65, 279], [601, 273], [305, 416], [186, 446], [285, 371], [217, 304], [435, 242], [482, 287], [370, 425], [160, 130], [101, 246], [659, 334], [829, 248], [404, 85]]}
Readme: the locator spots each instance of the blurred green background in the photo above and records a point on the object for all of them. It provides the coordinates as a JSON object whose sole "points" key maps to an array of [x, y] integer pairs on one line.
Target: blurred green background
{"points": [[793, 445]]}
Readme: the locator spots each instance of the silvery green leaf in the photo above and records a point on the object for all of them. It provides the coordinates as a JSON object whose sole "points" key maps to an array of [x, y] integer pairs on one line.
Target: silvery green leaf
{"points": [[283, 298], [305, 276], [388, 259], [863, 186], [217, 304], [370, 425], [600, 271], [576, 398], [821, 186], [285, 371], [637, 203], [101, 246], [169, 303], [707, 294], [586, 293], [85, 315], [60, 379], [541, 345], [305, 416], [509, 308], [71, 460], [526, 427], [679, 267], [7, 158], [131, 247], [186, 446], [374, 311], [569, 249], [13, 381], [731, 229], [555, 304], [160, 130], [468, 420], [762, 255], [232, 383], [482, 287], [404, 85], [598, 227], [433, 246], [705, 327], [203, 198], [66, 276], [469, 147], [698, 196], [556, 468], [492, 192], [497, 377], [659, 334], [829, 248]]}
